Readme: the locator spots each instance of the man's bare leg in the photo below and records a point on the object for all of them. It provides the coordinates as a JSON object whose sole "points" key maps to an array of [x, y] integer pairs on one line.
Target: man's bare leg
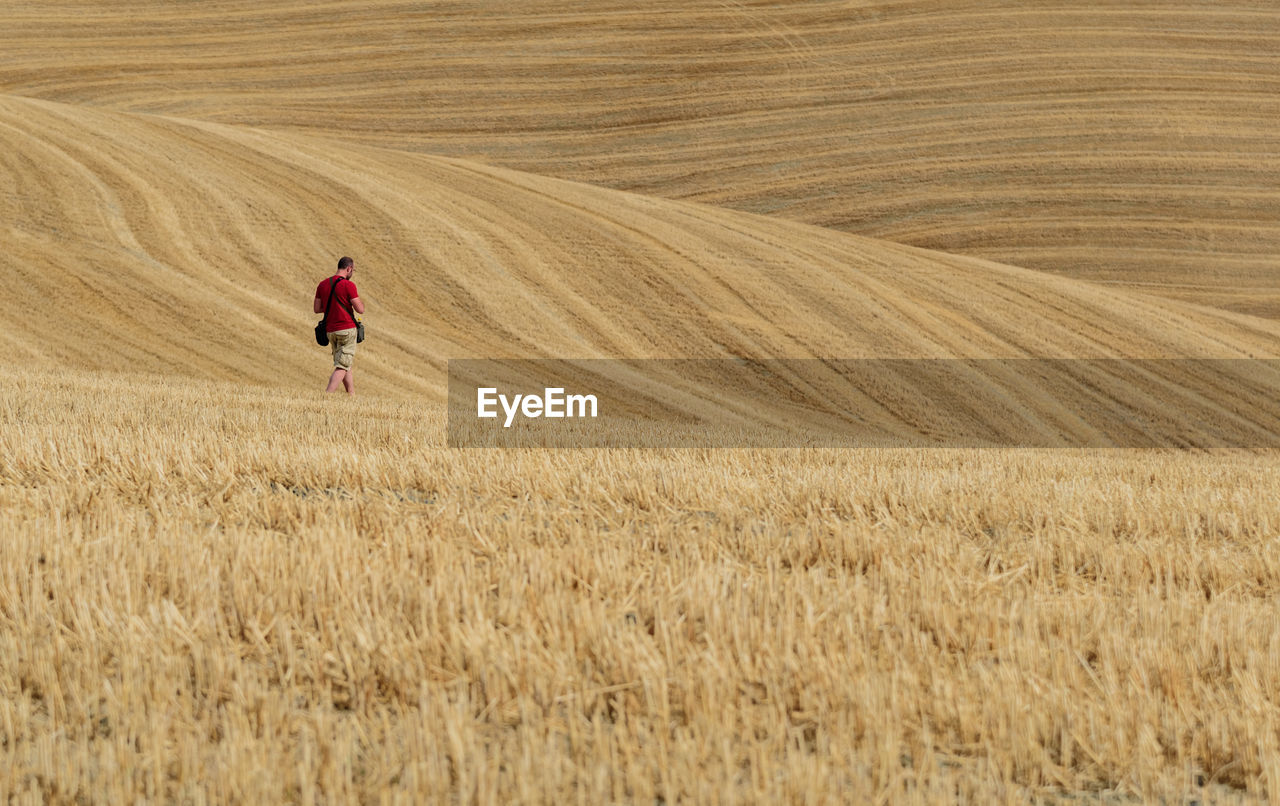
{"points": [[336, 379], [348, 381]]}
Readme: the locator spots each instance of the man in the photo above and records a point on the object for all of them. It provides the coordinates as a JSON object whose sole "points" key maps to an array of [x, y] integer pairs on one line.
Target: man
{"points": [[339, 322]]}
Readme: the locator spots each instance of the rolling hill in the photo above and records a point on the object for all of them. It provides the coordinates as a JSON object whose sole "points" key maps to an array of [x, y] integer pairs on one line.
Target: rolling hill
{"points": [[143, 243], [169, 236], [1126, 143]]}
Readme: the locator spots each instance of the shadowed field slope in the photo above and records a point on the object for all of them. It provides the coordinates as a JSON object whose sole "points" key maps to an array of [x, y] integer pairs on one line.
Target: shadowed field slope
{"points": [[153, 244], [1132, 143]]}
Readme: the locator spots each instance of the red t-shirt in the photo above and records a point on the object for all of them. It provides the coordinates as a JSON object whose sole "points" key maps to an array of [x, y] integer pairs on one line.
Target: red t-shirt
{"points": [[338, 318]]}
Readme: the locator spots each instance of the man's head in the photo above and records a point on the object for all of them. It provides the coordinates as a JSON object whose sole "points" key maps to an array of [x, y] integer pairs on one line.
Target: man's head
{"points": [[346, 266]]}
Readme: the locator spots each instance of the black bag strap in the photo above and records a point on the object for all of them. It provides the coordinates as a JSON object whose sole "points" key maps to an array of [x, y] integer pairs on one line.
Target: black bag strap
{"points": [[333, 287]]}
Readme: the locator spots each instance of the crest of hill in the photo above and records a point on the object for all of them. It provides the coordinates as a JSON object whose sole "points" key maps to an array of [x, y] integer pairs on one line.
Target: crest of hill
{"points": [[141, 243], [1133, 144]]}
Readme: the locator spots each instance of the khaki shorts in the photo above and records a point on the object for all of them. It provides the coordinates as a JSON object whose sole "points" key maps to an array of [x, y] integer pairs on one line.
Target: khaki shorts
{"points": [[343, 343]]}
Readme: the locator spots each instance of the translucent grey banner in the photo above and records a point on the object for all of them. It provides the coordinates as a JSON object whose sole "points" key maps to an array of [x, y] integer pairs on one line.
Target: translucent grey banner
{"points": [[1013, 402]]}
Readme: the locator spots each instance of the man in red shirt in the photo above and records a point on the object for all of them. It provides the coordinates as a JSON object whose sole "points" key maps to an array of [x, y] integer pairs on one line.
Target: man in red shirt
{"points": [[340, 322]]}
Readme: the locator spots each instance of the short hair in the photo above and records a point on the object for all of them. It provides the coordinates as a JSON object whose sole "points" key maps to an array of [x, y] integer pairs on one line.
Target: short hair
{"points": [[344, 263]]}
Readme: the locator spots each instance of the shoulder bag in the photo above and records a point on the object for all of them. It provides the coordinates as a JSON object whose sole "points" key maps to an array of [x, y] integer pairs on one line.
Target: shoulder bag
{"points": [[322, 336], [359, 324]]}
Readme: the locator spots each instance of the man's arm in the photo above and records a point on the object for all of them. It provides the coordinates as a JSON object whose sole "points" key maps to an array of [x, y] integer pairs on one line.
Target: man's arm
{"points": [[357, 304], [317, 306]]}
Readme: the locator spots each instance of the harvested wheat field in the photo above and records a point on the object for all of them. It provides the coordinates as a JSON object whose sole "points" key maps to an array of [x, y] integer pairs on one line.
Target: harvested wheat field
{"points": [[220, 585]]}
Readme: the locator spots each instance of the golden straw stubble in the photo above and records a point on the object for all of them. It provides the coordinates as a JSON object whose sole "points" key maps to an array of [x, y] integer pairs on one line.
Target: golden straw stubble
{"points": [[228, 594]]}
